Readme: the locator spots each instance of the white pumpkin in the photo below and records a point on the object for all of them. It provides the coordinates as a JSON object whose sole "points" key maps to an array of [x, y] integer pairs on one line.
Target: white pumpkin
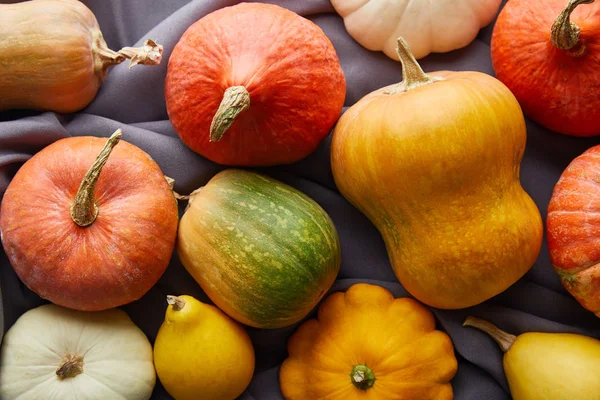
{"points": [[57, 353], [427, 25]]}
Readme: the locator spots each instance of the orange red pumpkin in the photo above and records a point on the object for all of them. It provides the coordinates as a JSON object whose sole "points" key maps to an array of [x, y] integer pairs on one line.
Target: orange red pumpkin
{"points": [[573, 227], [549, 56], [89, 227], [254, 84]]}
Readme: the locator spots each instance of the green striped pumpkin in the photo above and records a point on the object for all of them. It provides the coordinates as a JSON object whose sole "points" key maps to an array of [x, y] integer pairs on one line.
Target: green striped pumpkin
{"points": [[264, 252]]}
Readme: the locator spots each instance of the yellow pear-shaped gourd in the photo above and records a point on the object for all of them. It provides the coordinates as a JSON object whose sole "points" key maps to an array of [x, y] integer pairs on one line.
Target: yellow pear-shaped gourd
{"points": [[548, 366], [201, 353]]}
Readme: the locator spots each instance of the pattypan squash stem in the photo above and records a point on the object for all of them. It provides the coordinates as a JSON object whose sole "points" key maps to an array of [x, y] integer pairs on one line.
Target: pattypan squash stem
{"points": [[362, 377], [564, 33], [505, 340], [413, 75], [177, 302], [236, 99], [71, 367], [84, 209]]}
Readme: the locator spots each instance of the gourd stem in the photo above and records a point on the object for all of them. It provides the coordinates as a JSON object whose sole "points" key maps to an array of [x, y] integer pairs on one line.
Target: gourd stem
{"points": [[564, 33], [236, 100], [84, 209], [171, 183], [413, 75], [177, 302], [505, 340], [148, 54], [71, 367], [362, 377]]}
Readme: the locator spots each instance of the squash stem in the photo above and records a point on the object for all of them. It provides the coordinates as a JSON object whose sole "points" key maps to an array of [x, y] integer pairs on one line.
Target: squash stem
{"points": [[148, 54], [177, 302], [362, 377], [505, 340], [413, 75], [71, 367], [236, 100], [84, 209], [564, 33], [177, 196]]}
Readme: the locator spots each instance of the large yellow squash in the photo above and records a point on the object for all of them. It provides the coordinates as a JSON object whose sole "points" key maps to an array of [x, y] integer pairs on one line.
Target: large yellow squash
{"points": [[434, 163]]}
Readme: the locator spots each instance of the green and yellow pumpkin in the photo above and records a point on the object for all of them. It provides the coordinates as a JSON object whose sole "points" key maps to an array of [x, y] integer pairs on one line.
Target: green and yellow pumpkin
{"points": [[264, 252]]}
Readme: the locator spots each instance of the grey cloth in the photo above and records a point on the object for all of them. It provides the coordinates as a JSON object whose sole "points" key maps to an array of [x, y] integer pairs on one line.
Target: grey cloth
{"points": [[134, 101]]}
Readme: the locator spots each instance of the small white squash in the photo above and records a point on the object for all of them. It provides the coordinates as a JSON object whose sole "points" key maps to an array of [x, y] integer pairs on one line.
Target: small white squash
{"points": [[427, 25], [57, 353]]}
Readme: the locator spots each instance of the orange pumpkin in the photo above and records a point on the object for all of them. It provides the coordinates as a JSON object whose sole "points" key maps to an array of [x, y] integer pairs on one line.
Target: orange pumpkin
{"points": [[573, 227], [87, 225], [367, 345], [434, 163], [254, 84], [549, 56]]}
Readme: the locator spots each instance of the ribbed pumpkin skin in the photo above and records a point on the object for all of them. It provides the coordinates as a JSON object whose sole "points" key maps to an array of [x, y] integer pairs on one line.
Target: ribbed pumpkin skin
{"points": [[573, 227], [46, 59], [555, 88], [111, 262], [263, 252], [287, 64]]}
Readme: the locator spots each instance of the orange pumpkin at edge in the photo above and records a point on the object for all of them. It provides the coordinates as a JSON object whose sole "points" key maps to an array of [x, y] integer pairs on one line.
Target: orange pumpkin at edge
{"points": [[89, 243], [551, 66], [254, 85], [573, 228]]}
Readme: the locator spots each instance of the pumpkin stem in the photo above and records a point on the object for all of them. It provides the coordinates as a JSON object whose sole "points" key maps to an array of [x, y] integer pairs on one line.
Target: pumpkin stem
{"points": [[413, 75], [84, 209], [71, 367], [564, 33], [505, 340], [362, 377], [177, 302], [236, 99]]}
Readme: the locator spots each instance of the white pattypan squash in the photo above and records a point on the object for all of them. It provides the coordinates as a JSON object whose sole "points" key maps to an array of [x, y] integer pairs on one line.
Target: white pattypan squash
{"points": [[427, 25], [54, 353]]}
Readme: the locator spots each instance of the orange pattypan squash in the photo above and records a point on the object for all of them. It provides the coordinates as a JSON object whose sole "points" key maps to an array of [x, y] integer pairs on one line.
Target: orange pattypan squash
{"points": [[367, 345]]}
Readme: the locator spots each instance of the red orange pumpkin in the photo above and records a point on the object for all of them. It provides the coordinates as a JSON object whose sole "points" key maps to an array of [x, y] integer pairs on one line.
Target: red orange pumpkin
{"points": [[254, 84], [548, 54], [573, 227], [88, 227]]}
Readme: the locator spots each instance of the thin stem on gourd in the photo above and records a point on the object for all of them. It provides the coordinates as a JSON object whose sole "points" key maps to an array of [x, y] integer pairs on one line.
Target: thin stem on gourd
{"points": [[84, 209], [564, 33], [71, 366], [362, 377], [413, 75], [148, 54], [177, 302], [236, 99], [505, 340], [171, 183]]}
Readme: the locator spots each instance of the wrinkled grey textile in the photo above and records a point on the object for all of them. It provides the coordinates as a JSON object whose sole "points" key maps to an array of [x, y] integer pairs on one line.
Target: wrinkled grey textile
{"points": [[133, 100]]}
